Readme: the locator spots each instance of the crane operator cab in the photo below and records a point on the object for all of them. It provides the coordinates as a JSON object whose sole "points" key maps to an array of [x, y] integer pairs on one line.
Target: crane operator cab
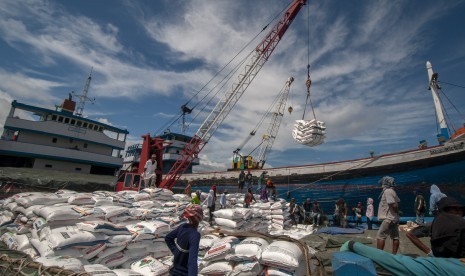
{"points": [[132, 181]]}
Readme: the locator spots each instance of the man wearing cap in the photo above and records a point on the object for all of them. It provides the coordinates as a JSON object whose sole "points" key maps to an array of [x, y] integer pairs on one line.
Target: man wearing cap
{"points": [[149, 171], [184, 243], [388, 213]]}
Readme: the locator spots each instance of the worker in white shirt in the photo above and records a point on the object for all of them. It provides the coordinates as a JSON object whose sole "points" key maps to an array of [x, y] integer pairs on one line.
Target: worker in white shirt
{"points": [[149, 171]]}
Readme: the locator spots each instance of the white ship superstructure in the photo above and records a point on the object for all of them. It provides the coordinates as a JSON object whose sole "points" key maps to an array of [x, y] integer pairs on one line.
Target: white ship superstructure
{"points": [[48, 139]]}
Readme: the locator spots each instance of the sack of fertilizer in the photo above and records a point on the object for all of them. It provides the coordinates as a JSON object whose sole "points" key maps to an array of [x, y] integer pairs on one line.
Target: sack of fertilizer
{"points": [[155, 227], [16, 242], [138, 233], [81, 199], [104, 227], [247, 268], [232, 224], [150, 266], [250, 249], [207, 241], [234, 214], [126, 272], [55, 213], [217, 268], [72, 264], [68, 236], [221, 249], [282, 254], [98, 269], [41, 198], [300, 271]]}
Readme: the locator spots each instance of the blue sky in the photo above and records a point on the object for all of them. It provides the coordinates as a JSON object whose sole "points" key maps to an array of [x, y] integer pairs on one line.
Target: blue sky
{"points": [[149, 57]]}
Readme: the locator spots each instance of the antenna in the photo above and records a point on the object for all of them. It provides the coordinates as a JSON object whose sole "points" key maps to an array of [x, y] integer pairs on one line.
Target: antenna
{"points": [[83, 97]]}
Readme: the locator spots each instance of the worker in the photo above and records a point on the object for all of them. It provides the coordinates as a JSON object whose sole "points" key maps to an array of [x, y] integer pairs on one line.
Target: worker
{"points": [[184, 242], [188, 189], [149, 171], [210, 202], [248, 198], [223, 199], [195, 199], [241, 181], [249, 179], [260, 180], [388, 213]]}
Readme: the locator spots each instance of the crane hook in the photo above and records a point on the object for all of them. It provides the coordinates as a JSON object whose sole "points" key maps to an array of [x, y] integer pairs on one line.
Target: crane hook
{"points": [[290, 109]]}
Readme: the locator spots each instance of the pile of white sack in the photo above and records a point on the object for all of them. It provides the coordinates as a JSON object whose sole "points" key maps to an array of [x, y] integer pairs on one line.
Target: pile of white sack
{"points": [[310, 133], [250, 257], [122, 233]]}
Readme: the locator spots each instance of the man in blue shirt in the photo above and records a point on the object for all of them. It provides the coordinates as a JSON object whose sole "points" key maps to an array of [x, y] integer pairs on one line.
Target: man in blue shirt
{"points": [[184, 243]]}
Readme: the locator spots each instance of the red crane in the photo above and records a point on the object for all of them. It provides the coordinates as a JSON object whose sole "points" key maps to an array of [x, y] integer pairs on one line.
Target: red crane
{"points": [[215, 118]]}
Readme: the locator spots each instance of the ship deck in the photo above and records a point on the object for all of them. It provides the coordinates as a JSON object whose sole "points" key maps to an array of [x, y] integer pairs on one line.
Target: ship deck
{"points": [[16, 180]]}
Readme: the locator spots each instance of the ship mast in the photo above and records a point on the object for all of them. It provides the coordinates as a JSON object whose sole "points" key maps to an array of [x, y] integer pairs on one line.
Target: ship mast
{"points": [[443, 136], [83, 97]]}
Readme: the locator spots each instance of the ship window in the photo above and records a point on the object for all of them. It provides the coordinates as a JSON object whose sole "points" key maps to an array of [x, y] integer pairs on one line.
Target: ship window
{"points": [[79, 123], [60, 119], [100, 128], [78, 169], [66, 120], [54, 140], [54, 117], [73, 122], [71, 140], [49, 117], [85, 145], [95, 127], [48, 165], [91, 126], [84, 125]]}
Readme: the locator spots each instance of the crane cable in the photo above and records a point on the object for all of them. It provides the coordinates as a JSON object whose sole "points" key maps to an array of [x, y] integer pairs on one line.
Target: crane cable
{"points": [[260, 122], [308, 83]]}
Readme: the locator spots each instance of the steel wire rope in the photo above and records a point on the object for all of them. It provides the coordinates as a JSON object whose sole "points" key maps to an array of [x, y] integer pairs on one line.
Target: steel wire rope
{"points": [[451, 84], [224, 83], [231, 72], [447, 117], [262, 119], [331, 175], [456, 109], [308, 82]]}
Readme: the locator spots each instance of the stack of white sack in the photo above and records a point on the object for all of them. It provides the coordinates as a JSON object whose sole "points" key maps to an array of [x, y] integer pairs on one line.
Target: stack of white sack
{"points": [[80, 231], [284, 258], [252, 256], [310, 133], [115, 230], [232, 219], [275, 214]]}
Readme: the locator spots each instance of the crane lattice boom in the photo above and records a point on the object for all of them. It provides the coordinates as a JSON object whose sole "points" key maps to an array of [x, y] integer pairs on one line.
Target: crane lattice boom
{"points": [[275, 122], [225, 105]]}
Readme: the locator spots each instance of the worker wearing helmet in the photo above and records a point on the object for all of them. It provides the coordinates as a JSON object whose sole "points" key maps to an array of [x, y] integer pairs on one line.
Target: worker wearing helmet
{"points": [[184, 243]]}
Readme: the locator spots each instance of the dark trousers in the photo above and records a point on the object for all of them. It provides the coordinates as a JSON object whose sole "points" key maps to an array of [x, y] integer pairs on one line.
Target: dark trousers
{"points": [[210, 212], [370, 223]]}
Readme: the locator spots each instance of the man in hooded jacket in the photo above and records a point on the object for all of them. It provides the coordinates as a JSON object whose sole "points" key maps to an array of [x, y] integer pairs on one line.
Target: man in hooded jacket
{"points": [[388, 213], [436, 195]]}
